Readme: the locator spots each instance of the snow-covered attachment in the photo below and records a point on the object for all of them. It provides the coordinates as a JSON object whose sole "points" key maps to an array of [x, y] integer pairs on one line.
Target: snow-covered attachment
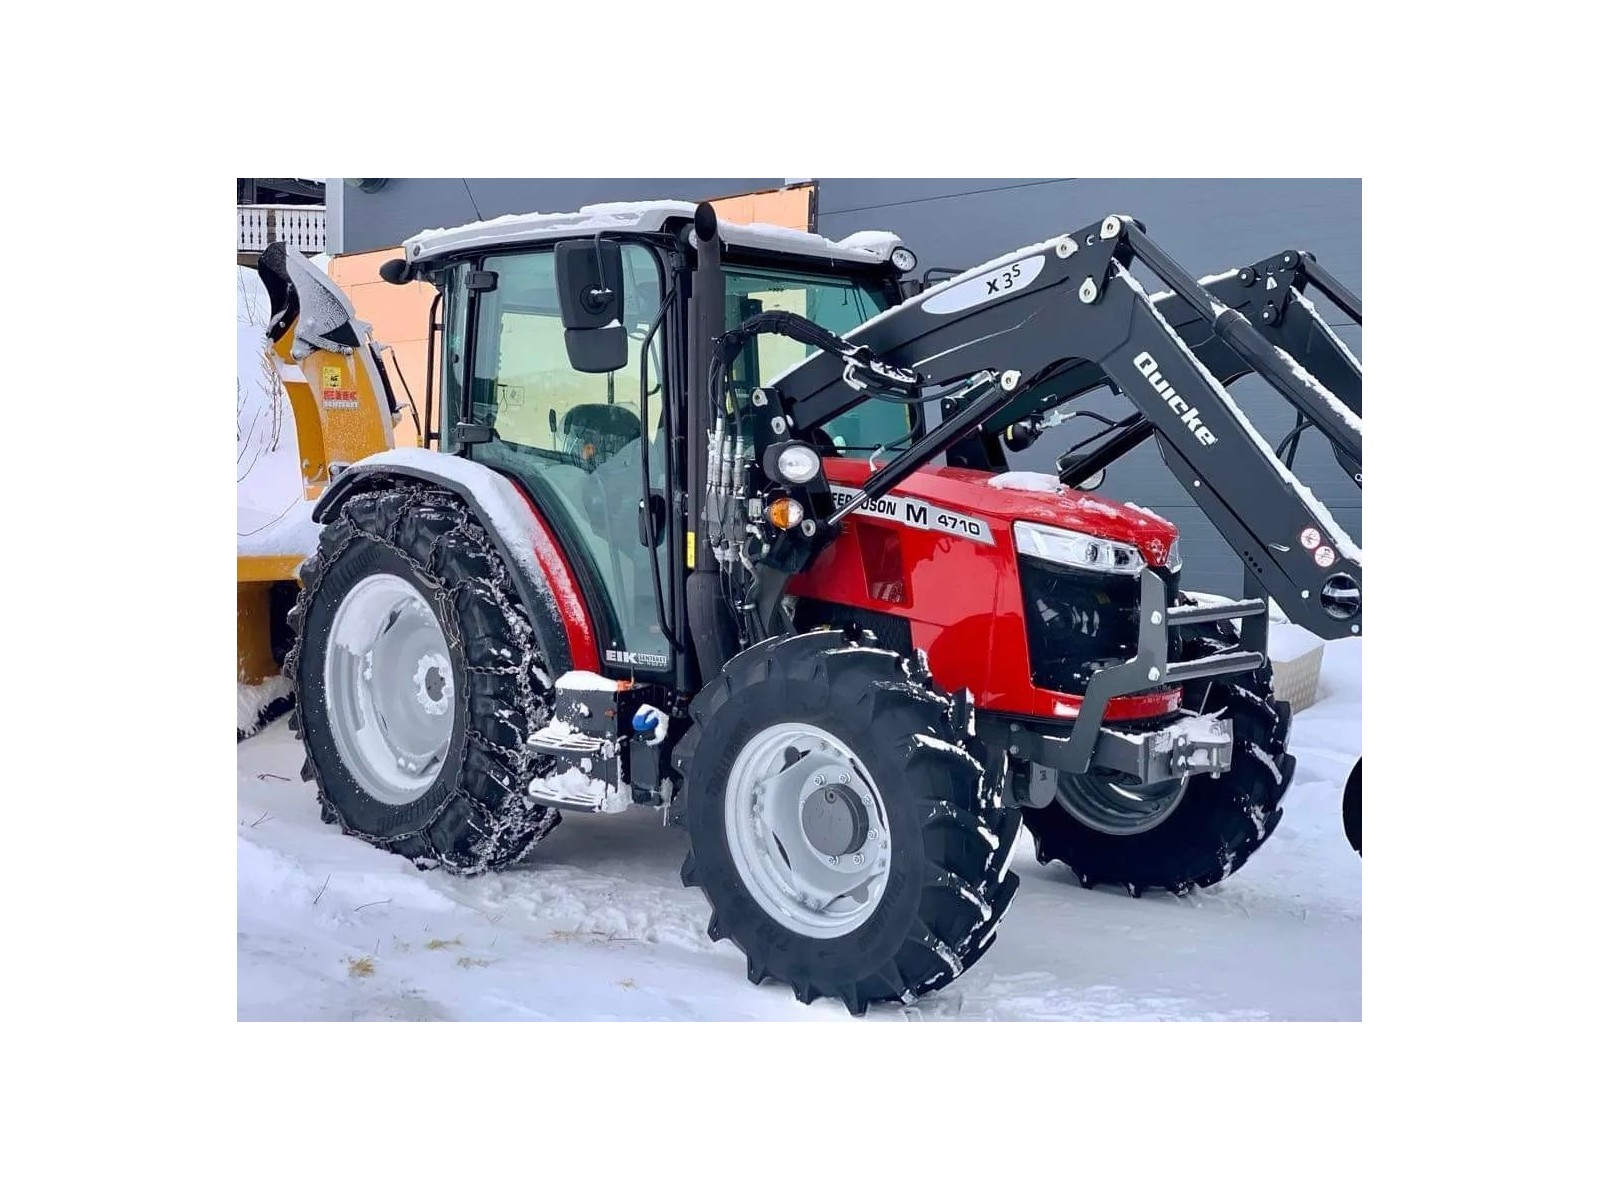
{"points": [[312, 397]]}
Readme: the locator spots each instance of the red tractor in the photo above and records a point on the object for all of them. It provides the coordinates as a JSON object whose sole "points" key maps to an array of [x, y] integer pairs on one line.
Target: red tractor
{"points": [[684, 544]]}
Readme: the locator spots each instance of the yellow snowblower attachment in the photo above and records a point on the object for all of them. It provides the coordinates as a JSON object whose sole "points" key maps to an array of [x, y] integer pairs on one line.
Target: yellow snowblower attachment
{"points": [[344, 409]]}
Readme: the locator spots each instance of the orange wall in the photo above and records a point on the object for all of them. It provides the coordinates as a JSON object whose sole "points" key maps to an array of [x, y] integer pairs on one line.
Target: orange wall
{"points": [[790, 207], [399, 315]]}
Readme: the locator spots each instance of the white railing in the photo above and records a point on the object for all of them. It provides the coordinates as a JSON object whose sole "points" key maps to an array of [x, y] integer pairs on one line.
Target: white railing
{"points": [[303, 226]]}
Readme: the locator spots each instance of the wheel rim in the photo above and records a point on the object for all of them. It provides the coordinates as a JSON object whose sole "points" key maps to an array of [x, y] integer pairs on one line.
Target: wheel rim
{"points": [[808, 830], [390, 689], [1120, 809]]}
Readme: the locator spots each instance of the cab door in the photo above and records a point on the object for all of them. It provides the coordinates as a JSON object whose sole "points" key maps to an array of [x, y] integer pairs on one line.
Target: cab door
{"points": [[573, 439]]}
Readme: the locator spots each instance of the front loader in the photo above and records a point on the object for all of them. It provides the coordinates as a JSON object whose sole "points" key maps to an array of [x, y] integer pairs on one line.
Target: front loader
{"points": [[684, 545]]}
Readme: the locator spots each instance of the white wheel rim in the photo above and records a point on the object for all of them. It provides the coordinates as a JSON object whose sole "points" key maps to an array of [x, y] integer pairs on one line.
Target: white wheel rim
{"points": [[809, 835], [1122, 810], [390, 689]]}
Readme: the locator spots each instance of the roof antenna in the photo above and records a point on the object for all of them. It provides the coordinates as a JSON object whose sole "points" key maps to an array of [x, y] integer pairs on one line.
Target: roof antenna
{"points": [[470, 200]]}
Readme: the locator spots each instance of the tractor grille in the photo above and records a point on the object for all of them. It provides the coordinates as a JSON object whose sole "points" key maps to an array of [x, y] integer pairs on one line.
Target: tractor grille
{"points": [[1079, 622]]}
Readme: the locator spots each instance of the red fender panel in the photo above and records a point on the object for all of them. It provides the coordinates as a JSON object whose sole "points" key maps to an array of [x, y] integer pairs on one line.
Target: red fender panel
{"points": [[563, 585]]}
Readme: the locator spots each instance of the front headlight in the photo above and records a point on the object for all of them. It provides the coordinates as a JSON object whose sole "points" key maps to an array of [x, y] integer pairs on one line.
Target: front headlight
{"points": [[1174, 559], [1077, 549]]}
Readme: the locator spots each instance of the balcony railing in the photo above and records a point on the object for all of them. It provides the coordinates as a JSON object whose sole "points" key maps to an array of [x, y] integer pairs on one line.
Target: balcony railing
{"points": [[303, 226]]}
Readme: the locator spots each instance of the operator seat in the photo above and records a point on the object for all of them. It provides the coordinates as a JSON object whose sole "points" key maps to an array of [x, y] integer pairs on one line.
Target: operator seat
{"points": [[595, 432]]}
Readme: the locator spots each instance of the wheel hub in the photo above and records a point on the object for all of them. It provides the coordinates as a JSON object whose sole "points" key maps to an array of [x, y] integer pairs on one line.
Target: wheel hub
{"points": [[834, 820], [432, 680], [807, 830]]}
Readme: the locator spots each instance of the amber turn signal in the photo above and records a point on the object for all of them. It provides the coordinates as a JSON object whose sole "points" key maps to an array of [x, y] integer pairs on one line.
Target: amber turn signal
{"points": [[785, 513]]}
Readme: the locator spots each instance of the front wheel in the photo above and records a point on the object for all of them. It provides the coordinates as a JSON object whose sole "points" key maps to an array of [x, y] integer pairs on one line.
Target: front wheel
{"points": [[1182, 834], [846, 837]]}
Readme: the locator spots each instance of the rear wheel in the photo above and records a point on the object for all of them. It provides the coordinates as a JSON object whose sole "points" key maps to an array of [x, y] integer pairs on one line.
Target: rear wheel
{"points": [[1187, 833], [841, 828], [417, 680]]}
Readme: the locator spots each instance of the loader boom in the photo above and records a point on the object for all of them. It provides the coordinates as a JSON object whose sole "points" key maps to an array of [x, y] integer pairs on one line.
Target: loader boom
{"points": [[1070, 313]]}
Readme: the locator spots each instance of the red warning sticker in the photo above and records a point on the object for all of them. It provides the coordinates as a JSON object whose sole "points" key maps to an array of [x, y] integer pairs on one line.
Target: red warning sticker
{"points": [[1324, 556], [1310, 537]]}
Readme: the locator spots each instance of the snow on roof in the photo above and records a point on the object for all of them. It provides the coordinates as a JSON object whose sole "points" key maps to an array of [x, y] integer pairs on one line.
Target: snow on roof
{"points": [[644, 216]]}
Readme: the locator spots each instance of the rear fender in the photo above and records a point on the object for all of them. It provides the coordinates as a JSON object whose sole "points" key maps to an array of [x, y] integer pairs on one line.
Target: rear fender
{"points": [[544, 578]]}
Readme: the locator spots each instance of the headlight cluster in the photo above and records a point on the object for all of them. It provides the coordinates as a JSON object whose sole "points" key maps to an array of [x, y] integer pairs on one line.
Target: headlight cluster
{"points": [[1077, 549], [1174, 559], [799, 463]]}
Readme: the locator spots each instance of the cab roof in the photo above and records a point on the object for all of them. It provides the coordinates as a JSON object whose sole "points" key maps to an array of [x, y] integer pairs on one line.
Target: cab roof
{"points": [[643, 216]]}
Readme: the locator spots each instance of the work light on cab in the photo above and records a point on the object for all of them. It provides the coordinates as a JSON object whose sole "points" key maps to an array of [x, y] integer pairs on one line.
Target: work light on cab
{"points": [[798, 463]]}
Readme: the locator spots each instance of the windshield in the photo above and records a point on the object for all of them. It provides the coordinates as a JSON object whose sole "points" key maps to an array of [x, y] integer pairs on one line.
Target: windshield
{"points": [[836, 303]]}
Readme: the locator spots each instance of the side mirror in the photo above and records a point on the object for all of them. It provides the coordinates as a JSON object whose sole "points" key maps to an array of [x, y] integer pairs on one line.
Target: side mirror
{"points": [[589, 288], [396, 270]]}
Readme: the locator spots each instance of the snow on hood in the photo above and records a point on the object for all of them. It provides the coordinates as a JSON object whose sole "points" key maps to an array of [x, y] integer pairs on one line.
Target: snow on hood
{"points": [[1028, 481]]}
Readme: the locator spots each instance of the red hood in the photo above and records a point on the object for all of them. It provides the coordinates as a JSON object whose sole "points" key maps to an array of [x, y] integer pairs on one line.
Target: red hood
{"points": [[975, 493]]}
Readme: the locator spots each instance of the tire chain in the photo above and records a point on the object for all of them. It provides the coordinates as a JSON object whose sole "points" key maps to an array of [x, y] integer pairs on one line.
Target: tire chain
{"points": [[532, 822]]}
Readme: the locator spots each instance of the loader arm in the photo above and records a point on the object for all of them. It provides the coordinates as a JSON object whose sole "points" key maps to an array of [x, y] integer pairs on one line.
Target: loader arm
{"points": [[1272, 294], [1070, 311]]}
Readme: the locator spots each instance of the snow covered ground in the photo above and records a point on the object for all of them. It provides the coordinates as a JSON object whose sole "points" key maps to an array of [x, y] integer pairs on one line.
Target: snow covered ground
{"points": [[598, 927]]}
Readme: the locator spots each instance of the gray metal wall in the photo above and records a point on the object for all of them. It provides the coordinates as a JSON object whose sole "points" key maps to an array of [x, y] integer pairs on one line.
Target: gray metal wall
{"points": [[1206, 224]]}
